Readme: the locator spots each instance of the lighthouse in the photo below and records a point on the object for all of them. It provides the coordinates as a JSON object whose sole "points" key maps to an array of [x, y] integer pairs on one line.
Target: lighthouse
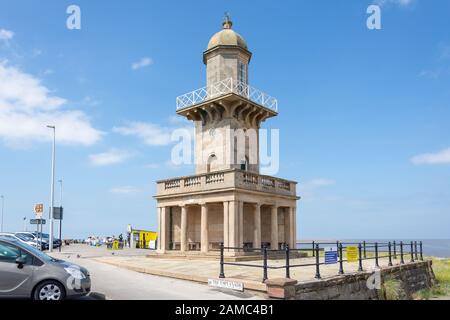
{"points": [[227, 200]]}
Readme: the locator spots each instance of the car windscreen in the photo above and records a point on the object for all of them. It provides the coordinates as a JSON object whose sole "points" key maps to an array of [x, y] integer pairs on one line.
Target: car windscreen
{"points": [[24, 237], [44, 235], [41, 255]]}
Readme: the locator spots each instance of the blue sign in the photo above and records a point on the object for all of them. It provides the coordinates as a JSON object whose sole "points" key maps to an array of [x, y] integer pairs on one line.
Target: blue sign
{"points": [[331, 255]]}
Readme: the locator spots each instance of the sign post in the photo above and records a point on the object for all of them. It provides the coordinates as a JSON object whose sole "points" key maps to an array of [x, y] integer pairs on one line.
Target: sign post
{"points": [[58, 215], [39, 223], [38, 211]]}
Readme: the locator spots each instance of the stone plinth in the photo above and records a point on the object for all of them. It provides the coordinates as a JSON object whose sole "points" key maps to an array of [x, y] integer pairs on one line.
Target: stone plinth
{"points": [[281, 288]]}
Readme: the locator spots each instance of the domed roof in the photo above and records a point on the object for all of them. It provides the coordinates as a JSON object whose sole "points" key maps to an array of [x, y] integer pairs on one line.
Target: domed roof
{"points": [[227, 37]]}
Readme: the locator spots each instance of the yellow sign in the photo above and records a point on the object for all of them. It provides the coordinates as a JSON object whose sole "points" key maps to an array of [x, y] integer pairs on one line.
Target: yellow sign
{"points": [[352, 253], [145, 237]]}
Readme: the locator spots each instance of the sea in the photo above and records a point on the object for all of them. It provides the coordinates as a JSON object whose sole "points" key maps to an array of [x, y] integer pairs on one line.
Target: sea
{"points": [[439, 248]]}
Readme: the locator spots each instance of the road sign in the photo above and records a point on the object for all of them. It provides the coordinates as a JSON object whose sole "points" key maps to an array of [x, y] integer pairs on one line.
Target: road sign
{"points": [[39, 210], [352, 253], [331, 256], [226, 284], [58, 213], [37, 221]]}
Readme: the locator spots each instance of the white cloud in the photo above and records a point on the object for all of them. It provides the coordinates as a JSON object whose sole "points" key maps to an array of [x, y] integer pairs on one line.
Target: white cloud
{"points": [[144, 62], [317, 183], [151, 134], [27, 106], [6, 35], [152, 166], [125, 190], [308, 189], [440, 157], [402, 3], [431, 74], [113, 156]]}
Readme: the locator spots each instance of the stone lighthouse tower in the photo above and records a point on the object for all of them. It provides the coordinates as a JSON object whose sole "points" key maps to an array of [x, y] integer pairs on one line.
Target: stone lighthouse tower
{"points": [[227, 200]]}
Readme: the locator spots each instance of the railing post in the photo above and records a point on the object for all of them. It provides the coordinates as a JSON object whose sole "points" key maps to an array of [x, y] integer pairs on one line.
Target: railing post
{"points": [[360, 268], [313, 249], [412, 251], [415, 250], [288, 274], [402, 261], [337, 247], [395, 250], [264, 263], [317, 262], [376, 255], [390, 254], [421, 251], [364, 244], [341, 267], [222, 273]]}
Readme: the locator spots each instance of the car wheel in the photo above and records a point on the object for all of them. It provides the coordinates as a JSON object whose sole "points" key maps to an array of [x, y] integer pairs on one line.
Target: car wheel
{"points": [[49, 290]]}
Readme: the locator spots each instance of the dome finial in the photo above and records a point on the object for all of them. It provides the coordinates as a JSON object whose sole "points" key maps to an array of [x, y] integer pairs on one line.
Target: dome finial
{"points": [[227, 22]]}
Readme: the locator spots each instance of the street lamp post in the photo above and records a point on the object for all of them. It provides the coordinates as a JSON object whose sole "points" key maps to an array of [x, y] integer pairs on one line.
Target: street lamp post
{"points": [[60, 218], [3, 208], [52, 190]]}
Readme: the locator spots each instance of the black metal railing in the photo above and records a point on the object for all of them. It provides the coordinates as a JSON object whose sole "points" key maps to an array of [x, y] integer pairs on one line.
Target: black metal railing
{"points": [[365, 251]]}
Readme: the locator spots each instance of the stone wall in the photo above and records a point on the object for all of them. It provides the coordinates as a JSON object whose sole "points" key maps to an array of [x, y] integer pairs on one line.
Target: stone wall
{"points": [[413, 277]]}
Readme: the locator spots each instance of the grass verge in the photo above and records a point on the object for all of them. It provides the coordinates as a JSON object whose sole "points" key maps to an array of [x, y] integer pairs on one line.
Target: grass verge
{"points": [[441, 268]]}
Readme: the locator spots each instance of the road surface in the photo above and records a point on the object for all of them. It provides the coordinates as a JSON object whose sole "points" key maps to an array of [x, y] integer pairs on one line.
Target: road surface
{"points": [[110, 282]]}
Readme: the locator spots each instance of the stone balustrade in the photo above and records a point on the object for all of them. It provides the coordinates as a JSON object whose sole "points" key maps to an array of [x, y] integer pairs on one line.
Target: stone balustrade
{"points": [[227, 179]]}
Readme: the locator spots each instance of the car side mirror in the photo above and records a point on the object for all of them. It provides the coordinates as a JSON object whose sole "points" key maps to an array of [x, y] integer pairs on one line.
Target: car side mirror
{"points": [[20, 261]]}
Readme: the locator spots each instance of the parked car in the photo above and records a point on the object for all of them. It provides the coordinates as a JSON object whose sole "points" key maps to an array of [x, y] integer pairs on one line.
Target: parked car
{"points": [[24, 238], [46, 237], [29, 273], [44, 242]]}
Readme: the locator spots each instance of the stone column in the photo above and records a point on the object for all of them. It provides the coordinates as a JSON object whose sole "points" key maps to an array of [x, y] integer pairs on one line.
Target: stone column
{"points": [[232, 222], [204, 229], [225, 224], [292, 233], [257, 226], [183, 237], [274, 231], [162, 237], [158, 243], [241, 224]]}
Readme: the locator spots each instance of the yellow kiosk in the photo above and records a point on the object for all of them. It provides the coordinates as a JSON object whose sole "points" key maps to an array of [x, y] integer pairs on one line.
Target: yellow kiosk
{"points": [[142, 239]]}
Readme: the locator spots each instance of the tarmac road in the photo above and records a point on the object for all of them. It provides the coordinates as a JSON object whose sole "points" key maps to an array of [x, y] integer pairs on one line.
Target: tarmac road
{"points": [[110, 282]]}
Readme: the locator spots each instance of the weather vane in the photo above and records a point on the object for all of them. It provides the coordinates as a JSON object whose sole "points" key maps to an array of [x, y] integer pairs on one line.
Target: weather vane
{"points": [[227, 21]]}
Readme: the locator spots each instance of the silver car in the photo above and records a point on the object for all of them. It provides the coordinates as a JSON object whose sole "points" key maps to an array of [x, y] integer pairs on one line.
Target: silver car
{"points": [[22, 238], [26, 272]]}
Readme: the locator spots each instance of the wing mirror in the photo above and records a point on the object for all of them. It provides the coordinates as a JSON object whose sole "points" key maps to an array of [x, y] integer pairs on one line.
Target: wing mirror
{"points": [[20, 261]]}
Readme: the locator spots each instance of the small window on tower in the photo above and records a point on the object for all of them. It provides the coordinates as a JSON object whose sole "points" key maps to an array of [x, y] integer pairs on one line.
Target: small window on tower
{"points": [[242, 73], [244, 164]]}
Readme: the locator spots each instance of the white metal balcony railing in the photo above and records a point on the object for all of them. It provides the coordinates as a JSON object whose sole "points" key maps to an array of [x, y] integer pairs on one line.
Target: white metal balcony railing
{"points": [[224, 87]]}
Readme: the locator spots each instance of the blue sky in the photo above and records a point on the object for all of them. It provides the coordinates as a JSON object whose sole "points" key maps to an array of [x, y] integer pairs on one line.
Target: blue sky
{"points": [[363, 114]]}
